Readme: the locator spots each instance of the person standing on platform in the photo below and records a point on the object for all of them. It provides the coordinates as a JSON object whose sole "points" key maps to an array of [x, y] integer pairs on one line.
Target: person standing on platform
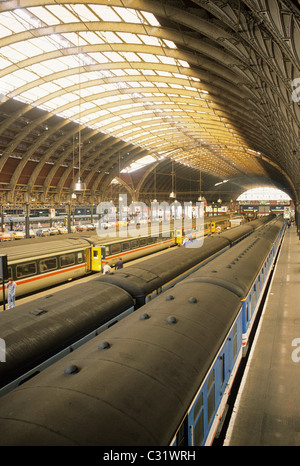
{"points": [[106, 268], [119, 264], [11, 288]]}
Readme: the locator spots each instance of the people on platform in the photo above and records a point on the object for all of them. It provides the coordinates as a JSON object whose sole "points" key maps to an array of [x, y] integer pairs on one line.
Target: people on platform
{"points": [[106, 268], [11, 288], [119, 264]]}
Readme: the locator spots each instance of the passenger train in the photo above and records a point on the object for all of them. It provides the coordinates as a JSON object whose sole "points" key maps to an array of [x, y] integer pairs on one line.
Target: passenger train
{"points": [[61, 321], [42, 263], [161, 376]]}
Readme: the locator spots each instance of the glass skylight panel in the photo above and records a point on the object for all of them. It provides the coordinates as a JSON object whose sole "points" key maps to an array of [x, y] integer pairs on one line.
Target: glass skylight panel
{"points": [[34, 46], [91, 37], [4, 32], [63, 14], [9, 20], [25, 75], [114, 56], [132, 71], [129, 38], [128, 15], [12, 54], [112, 98], [169, 44], [110, 37], [4, 63], [44, 15], [149, 57], [50, 87], [149, 40], [106, 13], [167, 60], [16, 81], [55, 103], [150, 18], [5, 85], [84, 12], [74, 39], [55, 64], [99, 57], [64, 82], [134, 84], [117, 72], [163, 73], [36, 93], [71, 61], [69, 97], [30, 21], [43, 43], [130, 56]]}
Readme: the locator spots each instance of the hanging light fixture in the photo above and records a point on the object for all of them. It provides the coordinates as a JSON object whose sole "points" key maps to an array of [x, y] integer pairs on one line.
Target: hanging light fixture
{"points": [[154, 200], [79, 186], [172, 194], [200, 198]]}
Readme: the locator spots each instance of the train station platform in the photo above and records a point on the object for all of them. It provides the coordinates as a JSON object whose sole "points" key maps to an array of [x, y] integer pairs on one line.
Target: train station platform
{"points": [[267, 408]]}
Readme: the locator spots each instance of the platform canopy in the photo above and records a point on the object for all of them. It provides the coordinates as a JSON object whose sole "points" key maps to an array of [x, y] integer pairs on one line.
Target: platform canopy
{"points": [[146, 97]]}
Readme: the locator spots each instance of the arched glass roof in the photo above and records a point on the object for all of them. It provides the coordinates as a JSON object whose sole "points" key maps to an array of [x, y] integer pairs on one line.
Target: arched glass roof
{"points": [[115, 70], [264, 194]]}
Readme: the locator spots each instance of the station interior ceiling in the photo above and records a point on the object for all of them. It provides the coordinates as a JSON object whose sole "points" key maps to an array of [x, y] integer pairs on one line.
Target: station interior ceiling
{"points": [[202, 96]]}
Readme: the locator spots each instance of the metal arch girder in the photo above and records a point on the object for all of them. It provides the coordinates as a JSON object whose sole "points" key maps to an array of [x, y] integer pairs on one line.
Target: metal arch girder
{"points": [[99, 139], [32, 149], [247, 34], [148, 5], [114, 172]]}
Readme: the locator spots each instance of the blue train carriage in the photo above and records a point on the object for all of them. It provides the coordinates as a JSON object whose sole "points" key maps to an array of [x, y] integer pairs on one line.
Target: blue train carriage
{"points": [[161, 376], [272, 236], [244, 271], [208, 409]]}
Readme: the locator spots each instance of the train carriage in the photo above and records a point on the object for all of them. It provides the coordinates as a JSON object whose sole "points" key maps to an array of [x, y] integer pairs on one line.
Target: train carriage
{"points": [[159, 377], [41, 263]]}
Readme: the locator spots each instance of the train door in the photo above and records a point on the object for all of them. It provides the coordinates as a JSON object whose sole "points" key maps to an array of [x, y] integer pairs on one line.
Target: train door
{"points": [[178, 238], [94, 258]]}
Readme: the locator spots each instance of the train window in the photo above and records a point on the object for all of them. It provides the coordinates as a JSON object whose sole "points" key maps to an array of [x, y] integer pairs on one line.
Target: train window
{"points": [[222, 369], [210, 396], [211, 380], [143, 241], [198, 406], [25, 270], [115, 248], [134, 244], [254, 297], [48, 264], [125, 246], [80, 257], [10, 272], [247, 311], [234, 342], [107, 250], [67, 259], [199, 430], [181, 435]]}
